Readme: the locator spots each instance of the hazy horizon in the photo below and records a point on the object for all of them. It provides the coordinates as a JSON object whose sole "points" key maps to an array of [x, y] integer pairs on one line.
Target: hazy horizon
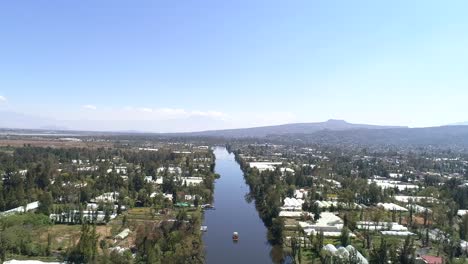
{"points": [[172, 67]]}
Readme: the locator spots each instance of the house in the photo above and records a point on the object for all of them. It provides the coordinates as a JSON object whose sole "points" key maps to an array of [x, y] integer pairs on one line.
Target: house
{"points": [[397, 233], [300, 194], [430, 260], [263, 166], [284, 171], [110, 197], [461, 213], [294, 214], [190, 181], [148, 149], [14, 261], [21, 209], [170, 170], [417, 199], [392, 207], [328, 223], [157, 181], [335, 204], [121, 169], [292, 204], [344, 252], [165, 195], [386, 226], [75, 216], [124, 234], [386, 184], [419, 209]]}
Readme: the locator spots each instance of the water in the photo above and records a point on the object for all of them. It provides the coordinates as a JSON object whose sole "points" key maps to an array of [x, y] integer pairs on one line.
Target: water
{"points": [[233, 214]]}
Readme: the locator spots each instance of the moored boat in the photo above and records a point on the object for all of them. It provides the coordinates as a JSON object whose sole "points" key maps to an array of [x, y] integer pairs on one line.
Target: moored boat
{"points": [[235, 236]]}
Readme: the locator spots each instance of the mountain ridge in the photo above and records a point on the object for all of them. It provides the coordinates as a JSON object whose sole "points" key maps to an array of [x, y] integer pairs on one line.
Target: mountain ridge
{"points": [[291, 128]]}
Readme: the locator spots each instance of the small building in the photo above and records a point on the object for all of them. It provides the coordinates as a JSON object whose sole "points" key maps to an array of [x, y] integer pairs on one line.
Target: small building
{"points": [[110, 197], [122, 235], [328, 223], [14, 261], [191, 181], [381, 226], [292, 204], [21, 209], [461, 213], [263, 166], [430, 260], [392, 207], [343, 253]]}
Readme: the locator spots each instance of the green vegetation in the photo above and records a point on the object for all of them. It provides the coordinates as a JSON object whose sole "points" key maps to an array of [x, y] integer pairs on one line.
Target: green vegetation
{"points": [[87, 196]]}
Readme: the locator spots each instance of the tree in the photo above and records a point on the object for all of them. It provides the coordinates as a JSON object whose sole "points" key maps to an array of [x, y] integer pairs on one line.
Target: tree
{"points": [[86, 249], [374, 194], [407, 252], [344, 236], [319, 242], [49, 242], [426, 216], [294, 247], [45, 203], [275, 234], [379, 255], [316, 211], [464, 227], [174, 197]]}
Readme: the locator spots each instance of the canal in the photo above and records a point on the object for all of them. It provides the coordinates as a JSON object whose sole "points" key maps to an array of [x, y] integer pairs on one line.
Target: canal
{"points": [[233, 214]]}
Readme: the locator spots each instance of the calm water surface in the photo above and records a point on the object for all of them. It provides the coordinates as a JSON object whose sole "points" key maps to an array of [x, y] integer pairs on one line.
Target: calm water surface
{"points": [[233, 213]]}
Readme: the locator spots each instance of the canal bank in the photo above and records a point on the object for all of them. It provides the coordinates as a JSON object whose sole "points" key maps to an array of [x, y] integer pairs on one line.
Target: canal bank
{"points": [[233, 214]]}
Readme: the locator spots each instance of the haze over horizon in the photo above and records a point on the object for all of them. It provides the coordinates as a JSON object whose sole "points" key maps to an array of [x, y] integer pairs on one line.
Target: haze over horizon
{"points": [[168, 67]]}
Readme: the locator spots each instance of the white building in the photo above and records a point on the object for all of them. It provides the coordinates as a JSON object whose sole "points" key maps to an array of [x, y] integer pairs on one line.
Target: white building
{"points": [[344, 253], [292, 204], [385, 184], [328, 223], [191, 180], [124, 234], [13, 261], [417, 199], [110, 197], [380, 226], [392, 207], [461, 213], [263, 166], [21, 209]]}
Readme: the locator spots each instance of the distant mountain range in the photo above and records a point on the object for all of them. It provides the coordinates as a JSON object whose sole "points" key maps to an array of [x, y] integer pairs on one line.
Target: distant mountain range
{"points": [[328, 132], [297, 128], [339, 132], [459, 124]]}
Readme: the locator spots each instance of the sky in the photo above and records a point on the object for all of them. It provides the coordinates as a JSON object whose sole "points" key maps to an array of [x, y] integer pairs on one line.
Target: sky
{"points": [[168, 66]]}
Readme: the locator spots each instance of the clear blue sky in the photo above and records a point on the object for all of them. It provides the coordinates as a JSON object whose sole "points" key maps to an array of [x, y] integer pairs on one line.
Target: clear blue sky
{"points": [[236, 63]]}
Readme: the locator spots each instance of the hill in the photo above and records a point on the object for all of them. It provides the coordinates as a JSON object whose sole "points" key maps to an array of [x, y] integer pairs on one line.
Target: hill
{"points": [[297, 128]]}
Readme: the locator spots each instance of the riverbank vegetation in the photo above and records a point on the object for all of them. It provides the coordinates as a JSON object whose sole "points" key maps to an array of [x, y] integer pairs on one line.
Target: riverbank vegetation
{"points": [[137, 202], [389, 206]]}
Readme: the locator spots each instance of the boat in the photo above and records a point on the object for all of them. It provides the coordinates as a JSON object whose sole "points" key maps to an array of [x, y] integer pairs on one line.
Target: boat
{"points": [[208, 207], [204, 228], [235, 236]]}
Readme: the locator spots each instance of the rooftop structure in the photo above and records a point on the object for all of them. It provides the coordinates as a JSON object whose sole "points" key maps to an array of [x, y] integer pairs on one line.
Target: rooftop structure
{"points": [[292, 204], [388, 226], [406, 199], [392, 207], [327, 223], [124, 234], [263, 166], [344, 252], [385, 184], [21, 209]]}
